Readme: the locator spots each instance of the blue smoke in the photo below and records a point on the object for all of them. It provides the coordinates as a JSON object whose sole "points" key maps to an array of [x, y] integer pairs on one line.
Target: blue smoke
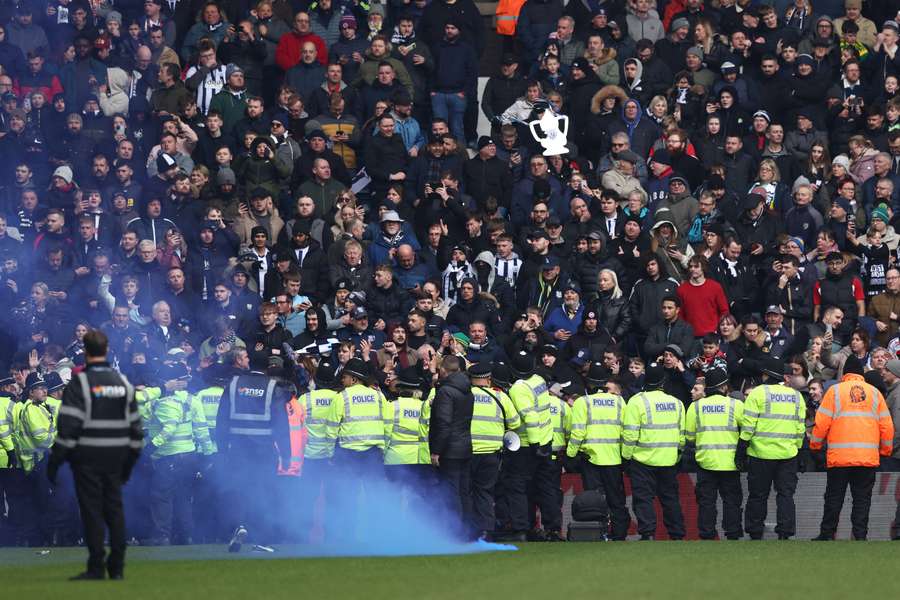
{"points": [[336, 509]]}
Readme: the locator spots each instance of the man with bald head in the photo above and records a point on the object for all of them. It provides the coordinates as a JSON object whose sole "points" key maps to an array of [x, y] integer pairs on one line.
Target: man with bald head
{"points": [[410, 272]]}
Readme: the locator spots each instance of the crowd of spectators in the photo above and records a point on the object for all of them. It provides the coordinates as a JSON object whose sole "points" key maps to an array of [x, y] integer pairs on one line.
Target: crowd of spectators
{"points": [[214, 183]]}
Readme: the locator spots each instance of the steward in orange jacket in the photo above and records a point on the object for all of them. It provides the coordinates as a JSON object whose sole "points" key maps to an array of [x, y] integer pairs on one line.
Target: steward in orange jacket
{"points": [[854, 421], [856, 424]]}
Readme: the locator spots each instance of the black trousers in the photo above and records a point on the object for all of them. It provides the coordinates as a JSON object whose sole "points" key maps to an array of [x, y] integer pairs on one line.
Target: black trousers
{"points": [[252, 491], [609, 480], [100, 501], [484, 469], [358, 474], [455, 475], [861, 481], [762, 475], [523, 467], [170, 495], [710, 485], [648, 483], [547, 483]]}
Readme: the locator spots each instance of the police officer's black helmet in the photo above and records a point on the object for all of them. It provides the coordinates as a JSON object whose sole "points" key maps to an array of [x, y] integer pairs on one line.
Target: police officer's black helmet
{"points": [[654, 376], [325, 373], [501, 376], [716, 378], [410, 378], [358, 368], [522, 364], [598, 374]]}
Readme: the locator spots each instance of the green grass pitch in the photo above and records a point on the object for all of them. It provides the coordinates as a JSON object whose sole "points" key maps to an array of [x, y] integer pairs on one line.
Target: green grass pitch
{"points": [[633, 570]]}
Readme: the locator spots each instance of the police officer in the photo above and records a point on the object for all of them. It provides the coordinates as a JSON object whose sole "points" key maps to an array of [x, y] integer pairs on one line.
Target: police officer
{"points": [[854, 421], [549, 474], [9, 414], [401, 419], [596, 435], [652, 440], [321, 434], [100, 435], [712, 425], [33, 436], [772, 430], [493, 414], [177, 435], [531, 397], [251, 423], [359, 455], [207, 392]]}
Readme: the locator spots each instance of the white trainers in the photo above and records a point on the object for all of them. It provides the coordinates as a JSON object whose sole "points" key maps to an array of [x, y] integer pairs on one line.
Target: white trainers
{"points": [[240, 534]]}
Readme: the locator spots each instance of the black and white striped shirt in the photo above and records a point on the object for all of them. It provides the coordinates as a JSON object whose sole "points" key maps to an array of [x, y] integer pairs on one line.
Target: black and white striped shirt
{"points": [[212, 85]]}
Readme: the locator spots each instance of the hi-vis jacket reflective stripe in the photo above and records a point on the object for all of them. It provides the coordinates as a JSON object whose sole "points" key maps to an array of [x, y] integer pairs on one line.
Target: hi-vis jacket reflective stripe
{"points": [[401, 434], [296, 417], [531, 398], [320, 429], [774, 422], [854, 421], [209, 400], [244, 415], [360, 414], [490, 421], [178, 426], [35, 431], [508, 16], [145, 398], [712, 425], [653, 429], [424, 429], [560, 420], [596, 422], [99, 412], [9, 414]]}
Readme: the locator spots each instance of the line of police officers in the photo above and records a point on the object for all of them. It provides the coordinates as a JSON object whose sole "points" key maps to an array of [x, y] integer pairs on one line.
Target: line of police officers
{"points": [[258, 427]]}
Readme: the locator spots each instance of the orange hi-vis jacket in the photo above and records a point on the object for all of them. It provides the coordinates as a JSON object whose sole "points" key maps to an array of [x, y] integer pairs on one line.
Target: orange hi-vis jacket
{"points": [[854, 421], [508, 16], [296, 418]]}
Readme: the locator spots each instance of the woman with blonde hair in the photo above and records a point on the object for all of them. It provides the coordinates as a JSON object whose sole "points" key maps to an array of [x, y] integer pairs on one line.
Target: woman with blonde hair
{"points": [[714, 51], [612, 306], [768, 183]]}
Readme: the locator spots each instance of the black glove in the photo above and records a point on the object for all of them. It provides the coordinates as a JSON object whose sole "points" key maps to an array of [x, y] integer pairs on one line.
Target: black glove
{"points": [[740, 455], [544, 451], [128, 467], [572, 464], [11, 459], [626, 464], [818, 459], [52, 471]]}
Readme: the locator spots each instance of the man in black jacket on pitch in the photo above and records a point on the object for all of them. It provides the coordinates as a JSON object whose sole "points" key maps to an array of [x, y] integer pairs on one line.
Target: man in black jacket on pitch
{"points": [[450, 438]]}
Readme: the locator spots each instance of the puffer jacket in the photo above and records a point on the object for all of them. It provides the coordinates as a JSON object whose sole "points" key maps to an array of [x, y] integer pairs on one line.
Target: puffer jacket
{"points": [[389, 304], [613, 314], [116, 101], [450, 434]]}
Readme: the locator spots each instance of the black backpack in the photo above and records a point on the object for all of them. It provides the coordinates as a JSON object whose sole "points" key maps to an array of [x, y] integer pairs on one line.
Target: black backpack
{"points": [[590, 506]]}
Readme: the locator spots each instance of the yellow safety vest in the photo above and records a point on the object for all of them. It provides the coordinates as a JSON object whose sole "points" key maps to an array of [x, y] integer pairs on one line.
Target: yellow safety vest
{"points": [[401, 420], [531, 398], [653, 429], [321, 430], [596, 424], [712, 423], [360, 413]]}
